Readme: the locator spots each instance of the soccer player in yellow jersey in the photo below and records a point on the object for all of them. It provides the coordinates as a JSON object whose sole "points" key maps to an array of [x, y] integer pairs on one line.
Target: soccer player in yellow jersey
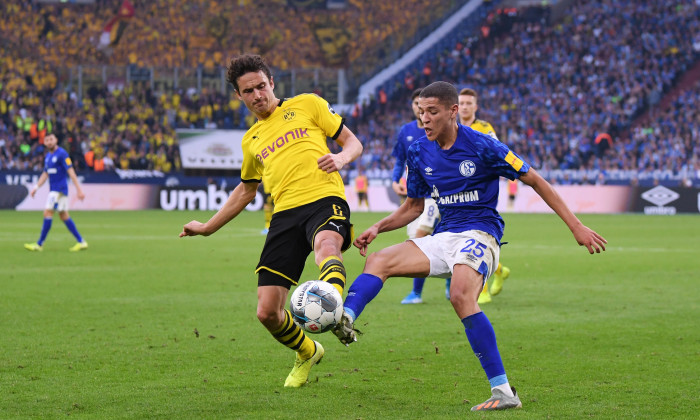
{"points": [[268, 208], [362, 189], [287, 148], [467, 116]]}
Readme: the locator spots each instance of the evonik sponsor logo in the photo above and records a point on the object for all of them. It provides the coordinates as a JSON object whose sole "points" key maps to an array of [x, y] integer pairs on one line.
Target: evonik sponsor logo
{"points": [[281, 142]]}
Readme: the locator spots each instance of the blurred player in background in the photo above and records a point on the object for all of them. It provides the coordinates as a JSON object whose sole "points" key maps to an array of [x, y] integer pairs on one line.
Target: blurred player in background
{"points": [[287, 148], [512, 193], [57, 169], [464, 181], [467, 116], [425, 223], [362, 189], [268, 208]]}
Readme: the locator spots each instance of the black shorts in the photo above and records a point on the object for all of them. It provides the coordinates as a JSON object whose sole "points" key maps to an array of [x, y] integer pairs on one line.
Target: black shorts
{"points": [[290, 239], [361, 196]]}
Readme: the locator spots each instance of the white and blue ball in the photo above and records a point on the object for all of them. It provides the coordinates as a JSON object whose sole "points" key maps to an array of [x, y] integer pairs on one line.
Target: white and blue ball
{"points": [[316, 306]]}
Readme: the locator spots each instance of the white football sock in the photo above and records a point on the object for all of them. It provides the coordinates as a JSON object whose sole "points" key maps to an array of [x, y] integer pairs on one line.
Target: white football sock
{"points": [[505, 388]]}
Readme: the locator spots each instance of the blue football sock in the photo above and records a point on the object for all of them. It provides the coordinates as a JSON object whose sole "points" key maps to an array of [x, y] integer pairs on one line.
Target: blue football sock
{"points": [[418, 284], [363, 290], [74, 230], [483, 341], [45, 228]]}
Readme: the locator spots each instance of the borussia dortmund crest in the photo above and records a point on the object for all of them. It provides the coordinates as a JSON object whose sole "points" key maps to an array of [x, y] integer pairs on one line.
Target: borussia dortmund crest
{"points": [[289, 114]]}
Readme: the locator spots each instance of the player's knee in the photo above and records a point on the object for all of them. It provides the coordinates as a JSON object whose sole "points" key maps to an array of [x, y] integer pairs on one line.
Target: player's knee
{"points": [[458, 298], [269, 318], [327, 247], [463, 303], [379, 264]]}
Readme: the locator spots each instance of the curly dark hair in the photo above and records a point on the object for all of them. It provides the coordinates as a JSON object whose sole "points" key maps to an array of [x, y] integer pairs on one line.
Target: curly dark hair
{"points": [[246, 63]]}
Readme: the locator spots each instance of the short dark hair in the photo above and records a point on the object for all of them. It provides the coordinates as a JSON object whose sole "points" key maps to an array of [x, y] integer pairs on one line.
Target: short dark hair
{"points": [[416, 93], [468, 92], [246, 63], [443, 91]]}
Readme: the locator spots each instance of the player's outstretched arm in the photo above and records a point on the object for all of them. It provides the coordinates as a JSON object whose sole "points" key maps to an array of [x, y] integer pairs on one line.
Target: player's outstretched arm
{"points": [[584, 235], [42, 179], [241, 196], [74, 178], [405, 214], [352, 149]]}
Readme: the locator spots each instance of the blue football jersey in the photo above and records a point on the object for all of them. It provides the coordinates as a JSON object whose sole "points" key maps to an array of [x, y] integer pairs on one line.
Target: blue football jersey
{"points": [[408, 133], [56, 164], [464, 179]]}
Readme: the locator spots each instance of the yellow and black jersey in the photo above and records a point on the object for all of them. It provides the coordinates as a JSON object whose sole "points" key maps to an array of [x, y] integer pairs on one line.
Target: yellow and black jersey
{"points": [[284, 149], [484, 127]]}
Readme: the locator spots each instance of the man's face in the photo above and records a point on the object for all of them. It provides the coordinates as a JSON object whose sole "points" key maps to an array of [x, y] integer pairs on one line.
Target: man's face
{"points": [[51, 142], [256, 92], [414, 106], [467, 107], [436, 117]]}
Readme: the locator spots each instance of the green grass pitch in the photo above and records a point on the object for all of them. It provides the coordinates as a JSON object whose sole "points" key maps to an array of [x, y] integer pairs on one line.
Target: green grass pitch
{"points": [[146, 325]]}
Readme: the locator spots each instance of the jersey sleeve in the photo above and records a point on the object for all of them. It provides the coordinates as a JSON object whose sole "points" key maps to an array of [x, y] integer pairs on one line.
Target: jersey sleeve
{"points": [[399, 153], [251, 169], [500, 158], [490, 130], [327, 119], [416, 186], [66, 161]]}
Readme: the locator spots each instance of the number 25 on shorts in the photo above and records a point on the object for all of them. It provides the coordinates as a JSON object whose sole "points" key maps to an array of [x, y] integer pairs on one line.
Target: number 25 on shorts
{"points": [[475, 248]]}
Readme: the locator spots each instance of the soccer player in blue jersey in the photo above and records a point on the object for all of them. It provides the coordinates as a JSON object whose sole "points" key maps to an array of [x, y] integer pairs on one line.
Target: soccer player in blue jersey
{"points": [[467, 116], [461, 168], [57, 168], [425, 223]]}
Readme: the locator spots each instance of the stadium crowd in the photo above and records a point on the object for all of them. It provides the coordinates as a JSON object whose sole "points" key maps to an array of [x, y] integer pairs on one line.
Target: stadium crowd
{"points": [[130, 128], [565, 95], [564, 102], [669, 141], [188, 33], [102, 128]]}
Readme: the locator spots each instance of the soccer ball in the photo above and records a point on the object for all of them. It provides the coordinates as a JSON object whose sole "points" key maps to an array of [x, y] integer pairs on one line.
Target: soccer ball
{"points": [[316, 306]]}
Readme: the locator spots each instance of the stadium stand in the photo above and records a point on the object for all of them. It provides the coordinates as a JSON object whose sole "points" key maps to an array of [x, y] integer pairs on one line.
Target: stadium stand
{"points": [[567, 103], [552, 88], [160, 34]]}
